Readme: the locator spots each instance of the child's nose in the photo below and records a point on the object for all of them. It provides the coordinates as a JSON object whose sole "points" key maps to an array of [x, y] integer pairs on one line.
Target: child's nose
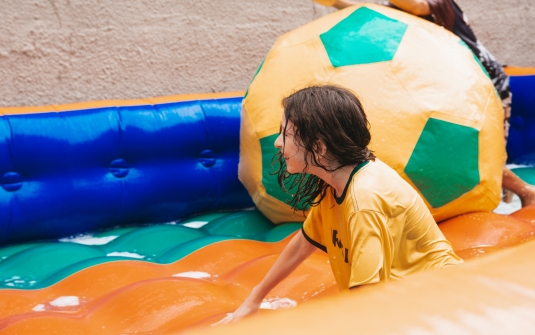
{"points": [[278, 142]]}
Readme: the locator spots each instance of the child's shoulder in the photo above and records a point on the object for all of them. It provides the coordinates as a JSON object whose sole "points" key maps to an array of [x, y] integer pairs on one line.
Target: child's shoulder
{"points": [[378, 186], [375, 173]]}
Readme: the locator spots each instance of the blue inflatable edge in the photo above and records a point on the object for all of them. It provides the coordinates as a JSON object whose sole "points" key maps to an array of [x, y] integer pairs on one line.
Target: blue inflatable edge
{"points": [[84, 170], [521, 140]]}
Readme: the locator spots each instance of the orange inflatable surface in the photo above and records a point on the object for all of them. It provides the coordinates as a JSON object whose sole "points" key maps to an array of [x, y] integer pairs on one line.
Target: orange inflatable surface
{"points": [[493, 295], [137, 297], [133, 297]]}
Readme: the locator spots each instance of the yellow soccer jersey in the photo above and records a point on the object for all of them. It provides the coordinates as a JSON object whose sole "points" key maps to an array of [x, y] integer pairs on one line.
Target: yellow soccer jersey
{"points": [[379, 229]]}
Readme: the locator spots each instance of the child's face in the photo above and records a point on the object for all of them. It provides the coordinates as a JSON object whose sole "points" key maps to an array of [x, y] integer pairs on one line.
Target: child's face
{"points": [[292, 153]]}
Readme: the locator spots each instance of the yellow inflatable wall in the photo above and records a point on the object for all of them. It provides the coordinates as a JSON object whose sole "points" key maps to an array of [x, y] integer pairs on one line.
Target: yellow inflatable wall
{"points": [[435, 116]]}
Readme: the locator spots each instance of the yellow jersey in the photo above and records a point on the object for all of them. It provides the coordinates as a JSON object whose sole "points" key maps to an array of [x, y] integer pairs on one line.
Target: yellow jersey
{"points": [[378, 229]]}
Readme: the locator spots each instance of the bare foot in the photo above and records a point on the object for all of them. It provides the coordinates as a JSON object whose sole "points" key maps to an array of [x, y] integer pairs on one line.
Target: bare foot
{"points": [[507, 196]]}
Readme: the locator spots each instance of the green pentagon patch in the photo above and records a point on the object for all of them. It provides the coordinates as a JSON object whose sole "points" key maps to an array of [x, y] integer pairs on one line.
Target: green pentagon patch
{"points": [[444, 162], [363, 37]]}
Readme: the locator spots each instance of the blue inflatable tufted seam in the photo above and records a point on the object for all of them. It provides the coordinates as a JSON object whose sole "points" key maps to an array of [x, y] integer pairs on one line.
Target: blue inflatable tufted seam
{"points": [[119, 168], [11, 181], [207, 158], [85, 170]]}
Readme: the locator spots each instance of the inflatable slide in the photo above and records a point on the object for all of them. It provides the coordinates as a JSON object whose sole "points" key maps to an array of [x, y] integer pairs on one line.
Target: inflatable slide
{"points": [[128, 217]]}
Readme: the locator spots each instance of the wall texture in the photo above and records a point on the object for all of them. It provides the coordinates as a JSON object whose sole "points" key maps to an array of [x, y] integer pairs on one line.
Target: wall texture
{"points": [[59, 51]]}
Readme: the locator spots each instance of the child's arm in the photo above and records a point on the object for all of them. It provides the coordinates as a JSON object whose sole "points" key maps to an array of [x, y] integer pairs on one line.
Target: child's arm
{"points": [[338, 4], [414, 7], [297, 250]]}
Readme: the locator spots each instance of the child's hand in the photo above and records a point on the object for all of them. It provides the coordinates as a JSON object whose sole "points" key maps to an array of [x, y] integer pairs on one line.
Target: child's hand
{"points": [[327, 3], [245, 310], [225, 320]]}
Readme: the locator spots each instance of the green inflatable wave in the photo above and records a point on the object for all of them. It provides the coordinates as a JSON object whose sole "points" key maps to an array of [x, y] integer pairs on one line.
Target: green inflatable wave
{"points": [[42, 264], [526, 173]]}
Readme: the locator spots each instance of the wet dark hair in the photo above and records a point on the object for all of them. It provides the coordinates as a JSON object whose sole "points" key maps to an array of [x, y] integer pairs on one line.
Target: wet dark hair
{"points": [[442, 12], [334, 116]]}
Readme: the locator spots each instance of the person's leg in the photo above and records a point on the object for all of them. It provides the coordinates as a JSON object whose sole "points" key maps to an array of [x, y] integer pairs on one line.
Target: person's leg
{"points": [[507, 195], [525, 191]]}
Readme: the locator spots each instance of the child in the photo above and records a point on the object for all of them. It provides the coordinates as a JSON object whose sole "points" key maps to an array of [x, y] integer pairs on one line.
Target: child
{"points": [[372, 224]]}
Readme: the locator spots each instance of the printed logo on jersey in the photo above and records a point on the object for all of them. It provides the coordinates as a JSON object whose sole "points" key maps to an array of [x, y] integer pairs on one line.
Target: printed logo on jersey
{"points": [[338, 243]]}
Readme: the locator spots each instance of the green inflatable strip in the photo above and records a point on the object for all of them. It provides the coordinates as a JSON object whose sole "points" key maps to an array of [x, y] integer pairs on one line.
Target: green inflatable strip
{"points": [[73, 268], [280, 232], [30, 266], [39, 265], [203, 218], [10, 250], [152, 241], [115, 232], [249, 225], [526, 174], [185, 249]]}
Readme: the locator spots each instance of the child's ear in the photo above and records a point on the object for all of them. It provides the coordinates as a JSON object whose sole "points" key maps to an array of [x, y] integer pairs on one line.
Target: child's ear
{"points": [[320, 148]]}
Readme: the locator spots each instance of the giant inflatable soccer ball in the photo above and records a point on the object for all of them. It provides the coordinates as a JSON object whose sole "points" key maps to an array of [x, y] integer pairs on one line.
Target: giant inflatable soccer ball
{"points": [[435, 116]]}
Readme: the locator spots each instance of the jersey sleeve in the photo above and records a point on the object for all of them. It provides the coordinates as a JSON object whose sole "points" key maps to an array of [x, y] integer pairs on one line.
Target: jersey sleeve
{"points": [[366, 253], [313, 229]]}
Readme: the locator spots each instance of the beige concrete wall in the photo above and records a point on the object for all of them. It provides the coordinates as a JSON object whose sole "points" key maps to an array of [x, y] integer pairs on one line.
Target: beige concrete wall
{"points": [[506, 28], [59, 51]]}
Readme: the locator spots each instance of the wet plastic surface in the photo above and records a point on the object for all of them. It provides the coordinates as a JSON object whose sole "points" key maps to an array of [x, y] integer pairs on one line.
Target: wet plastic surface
{"points": [[492, 295], [136, 297], [198, 288]]}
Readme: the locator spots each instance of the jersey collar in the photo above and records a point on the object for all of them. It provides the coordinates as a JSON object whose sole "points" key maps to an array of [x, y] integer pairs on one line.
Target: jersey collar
{"points": [[355, 170]]}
